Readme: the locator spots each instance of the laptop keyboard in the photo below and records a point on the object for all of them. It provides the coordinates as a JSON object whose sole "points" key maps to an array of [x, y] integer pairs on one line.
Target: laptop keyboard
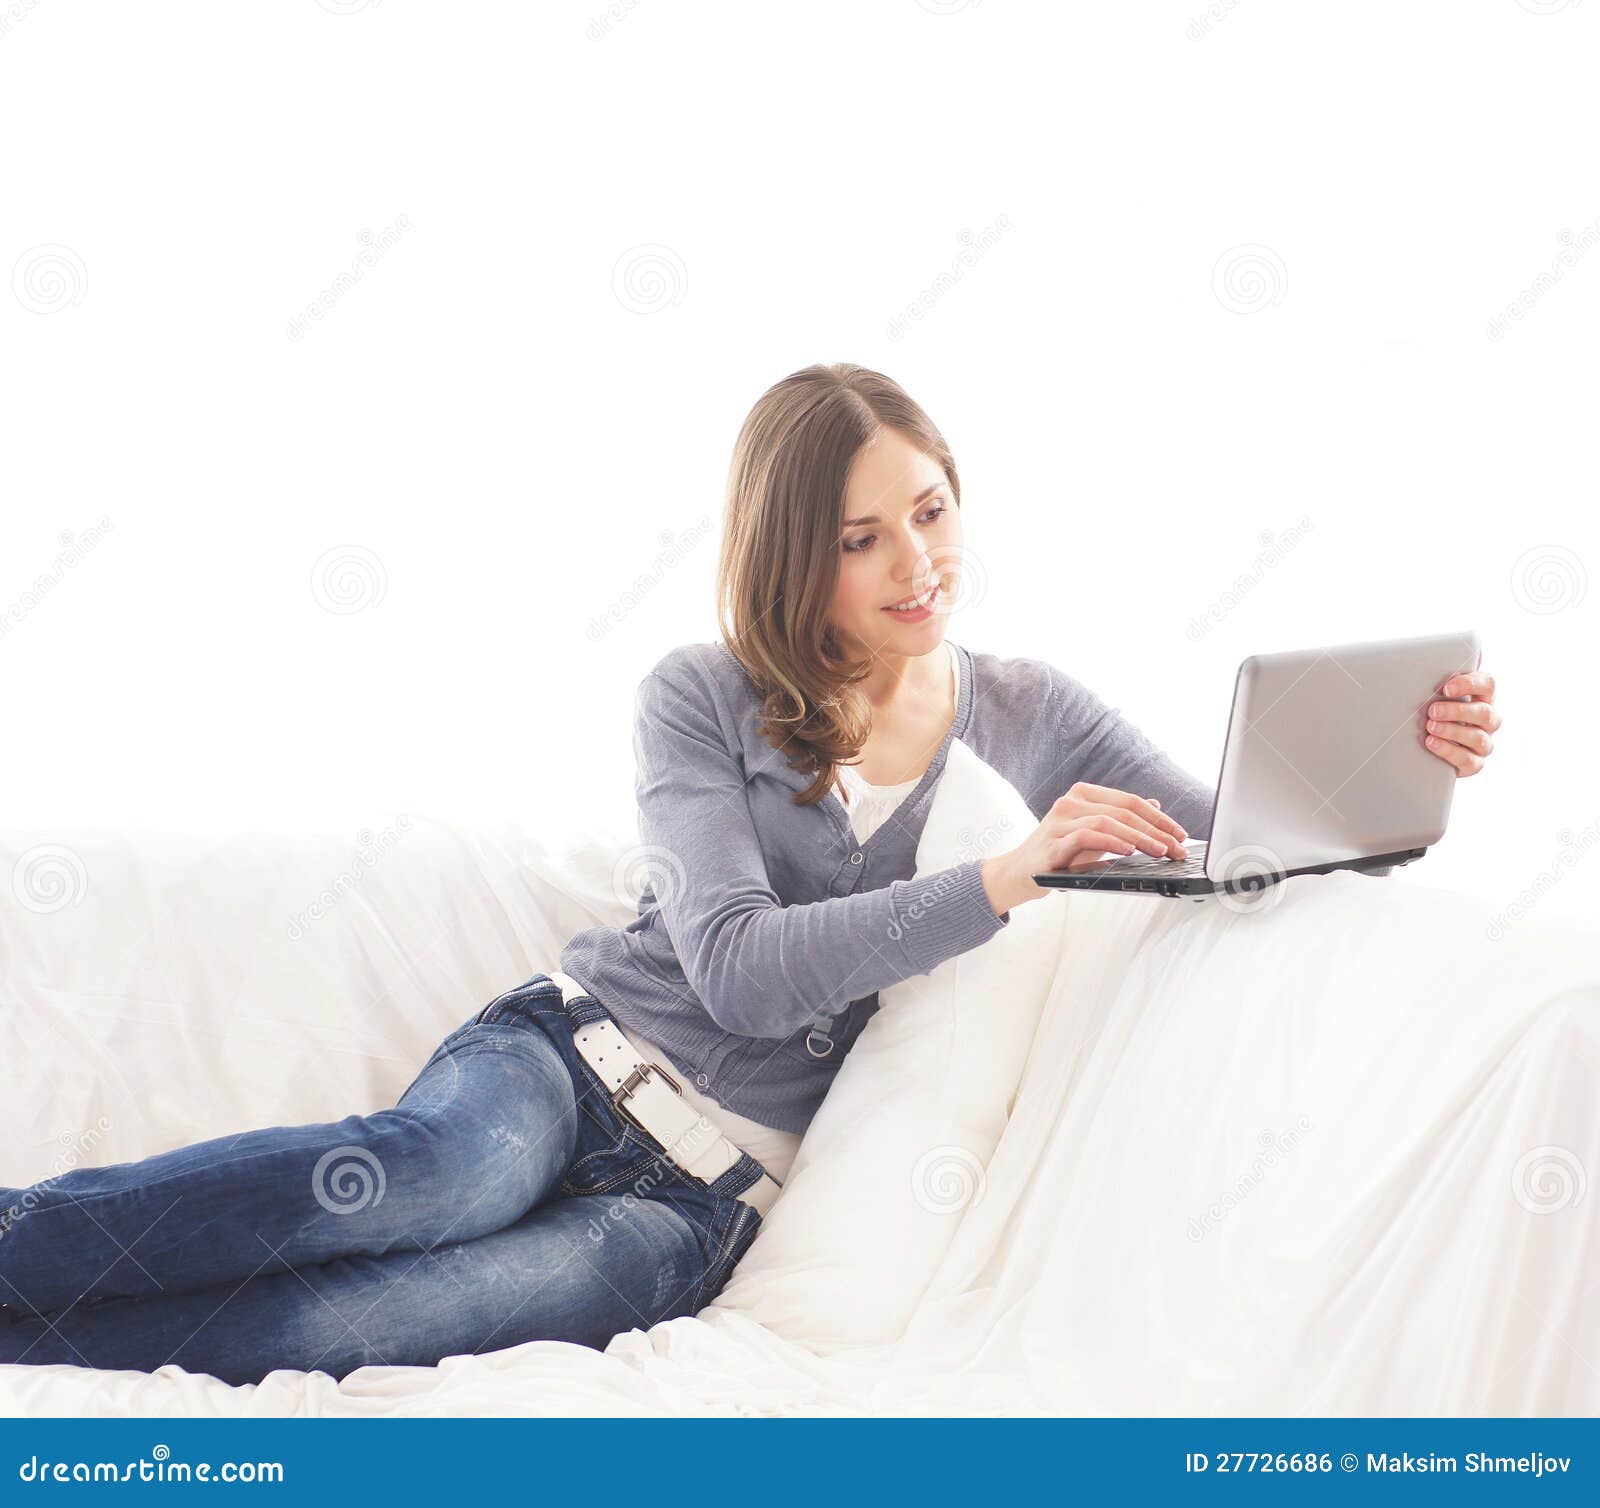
{"points": [[1141, 863]]}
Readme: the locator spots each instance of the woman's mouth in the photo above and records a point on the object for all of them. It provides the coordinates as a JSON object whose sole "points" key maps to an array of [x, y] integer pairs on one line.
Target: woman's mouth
{"points": [[915, 609]]}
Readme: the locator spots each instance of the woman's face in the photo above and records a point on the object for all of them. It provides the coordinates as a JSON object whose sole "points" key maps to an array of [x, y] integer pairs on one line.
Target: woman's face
{"points": [[901, 538]]}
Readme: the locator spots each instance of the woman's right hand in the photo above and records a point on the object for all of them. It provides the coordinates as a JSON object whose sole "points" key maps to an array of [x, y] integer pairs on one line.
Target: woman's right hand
{"points": [[1083, 826]]}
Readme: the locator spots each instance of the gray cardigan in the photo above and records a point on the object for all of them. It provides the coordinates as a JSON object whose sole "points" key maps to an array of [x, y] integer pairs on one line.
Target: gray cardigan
{"points": [[766, 929]]}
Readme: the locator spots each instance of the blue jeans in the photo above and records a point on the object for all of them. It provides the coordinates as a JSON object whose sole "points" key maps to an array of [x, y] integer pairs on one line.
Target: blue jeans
{"points": [[502, 1200]]}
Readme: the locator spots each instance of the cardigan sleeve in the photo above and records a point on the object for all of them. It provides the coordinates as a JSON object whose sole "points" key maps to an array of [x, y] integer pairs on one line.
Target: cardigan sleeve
{"points": [[761, 968], [1103, 747]]}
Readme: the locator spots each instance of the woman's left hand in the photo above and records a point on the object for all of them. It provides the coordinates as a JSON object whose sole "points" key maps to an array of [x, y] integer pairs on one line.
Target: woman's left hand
{"points": [[1459, 732]]}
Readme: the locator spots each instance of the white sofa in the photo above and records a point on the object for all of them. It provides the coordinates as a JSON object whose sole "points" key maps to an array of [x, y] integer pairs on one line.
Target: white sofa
{"points": [[1327, 1155]]}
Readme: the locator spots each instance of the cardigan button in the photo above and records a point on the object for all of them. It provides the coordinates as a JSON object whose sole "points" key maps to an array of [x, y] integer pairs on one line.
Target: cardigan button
{"points": [[855, 858]]}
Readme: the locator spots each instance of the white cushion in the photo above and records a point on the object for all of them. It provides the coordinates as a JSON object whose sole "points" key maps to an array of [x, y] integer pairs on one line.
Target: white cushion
{"points": [[895, 1156]]}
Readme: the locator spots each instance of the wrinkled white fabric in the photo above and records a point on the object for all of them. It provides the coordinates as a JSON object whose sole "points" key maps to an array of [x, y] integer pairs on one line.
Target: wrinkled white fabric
{"points": [[896, 1154], [1330, 1154]]}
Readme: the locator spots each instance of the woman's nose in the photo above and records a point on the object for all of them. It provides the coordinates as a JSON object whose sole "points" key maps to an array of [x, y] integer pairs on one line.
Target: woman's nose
{"points": [[914, 565]]}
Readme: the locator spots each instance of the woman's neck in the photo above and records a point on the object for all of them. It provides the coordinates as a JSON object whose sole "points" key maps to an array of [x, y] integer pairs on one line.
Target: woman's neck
{"points": [[897, 681]]}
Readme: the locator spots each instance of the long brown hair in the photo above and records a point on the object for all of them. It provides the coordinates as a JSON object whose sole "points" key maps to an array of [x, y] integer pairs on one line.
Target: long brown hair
{"points": [[780, 554]]}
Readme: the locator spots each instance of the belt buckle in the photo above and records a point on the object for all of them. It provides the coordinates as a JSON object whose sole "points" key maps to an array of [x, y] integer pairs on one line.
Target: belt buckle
{"points": [[635, 1076]]}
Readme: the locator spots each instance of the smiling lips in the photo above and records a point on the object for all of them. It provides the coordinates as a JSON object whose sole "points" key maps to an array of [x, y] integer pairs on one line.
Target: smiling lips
{"points": [[914, 604]]}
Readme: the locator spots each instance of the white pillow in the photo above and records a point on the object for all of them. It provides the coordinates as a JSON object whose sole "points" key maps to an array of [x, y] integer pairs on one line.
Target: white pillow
{"points": [[896, 1153]]}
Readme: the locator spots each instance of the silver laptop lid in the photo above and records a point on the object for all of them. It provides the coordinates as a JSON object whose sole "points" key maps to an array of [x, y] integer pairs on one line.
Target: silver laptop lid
{"points": [[1324, 757]]}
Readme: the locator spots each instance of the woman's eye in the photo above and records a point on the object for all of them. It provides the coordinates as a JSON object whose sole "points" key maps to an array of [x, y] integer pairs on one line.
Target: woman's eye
{"points": [[864, 540]]}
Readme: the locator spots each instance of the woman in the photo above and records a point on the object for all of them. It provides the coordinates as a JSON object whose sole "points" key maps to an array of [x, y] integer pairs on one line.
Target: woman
{"points": [[593, 1151]]}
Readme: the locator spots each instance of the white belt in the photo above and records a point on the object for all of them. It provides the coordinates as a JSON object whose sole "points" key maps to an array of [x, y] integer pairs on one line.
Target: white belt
{"points": [[646, 1094]]}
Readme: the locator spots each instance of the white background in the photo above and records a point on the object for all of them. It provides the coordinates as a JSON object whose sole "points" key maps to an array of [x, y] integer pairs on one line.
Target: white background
{"points": [[1170, 279]]}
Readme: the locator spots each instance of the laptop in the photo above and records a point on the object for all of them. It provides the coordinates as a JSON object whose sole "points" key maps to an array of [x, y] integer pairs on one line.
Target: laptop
{"points": [[1323, 768]]}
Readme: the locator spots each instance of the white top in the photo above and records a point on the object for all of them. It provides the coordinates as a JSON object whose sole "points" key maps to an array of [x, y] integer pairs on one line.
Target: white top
{"points": [[869, 807]]}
